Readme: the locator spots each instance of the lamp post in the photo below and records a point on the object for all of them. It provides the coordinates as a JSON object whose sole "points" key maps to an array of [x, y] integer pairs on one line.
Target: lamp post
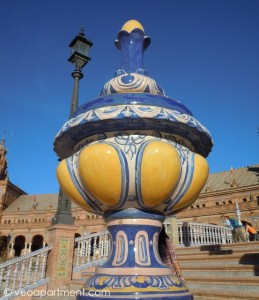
{"points": [[80, 50]]}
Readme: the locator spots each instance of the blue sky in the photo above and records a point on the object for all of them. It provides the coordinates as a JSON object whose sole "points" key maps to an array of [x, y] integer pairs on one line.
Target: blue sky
{"points": [[204, 53]]}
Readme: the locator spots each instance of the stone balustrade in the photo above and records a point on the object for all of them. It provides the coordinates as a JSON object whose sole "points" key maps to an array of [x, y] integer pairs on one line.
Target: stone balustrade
{"points": [[93, 249], [90, 249], [193, 234], [23, 272]]}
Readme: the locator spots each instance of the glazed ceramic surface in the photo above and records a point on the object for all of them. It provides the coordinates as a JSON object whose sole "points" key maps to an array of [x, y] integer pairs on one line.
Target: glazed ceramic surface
{"points": [[133, 155], [139, 169]]}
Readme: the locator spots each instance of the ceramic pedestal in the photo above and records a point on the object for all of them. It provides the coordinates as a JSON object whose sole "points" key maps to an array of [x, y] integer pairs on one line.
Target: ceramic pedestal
{"points": [[134, 269], [135, 156]]}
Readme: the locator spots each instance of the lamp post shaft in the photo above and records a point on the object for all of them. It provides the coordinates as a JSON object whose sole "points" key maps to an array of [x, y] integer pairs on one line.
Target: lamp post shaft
{"points": [[77, 75], [79, 58]]}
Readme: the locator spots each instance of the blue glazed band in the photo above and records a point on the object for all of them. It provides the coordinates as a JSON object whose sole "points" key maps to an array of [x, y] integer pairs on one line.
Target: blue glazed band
{"points": [[132, 213]]}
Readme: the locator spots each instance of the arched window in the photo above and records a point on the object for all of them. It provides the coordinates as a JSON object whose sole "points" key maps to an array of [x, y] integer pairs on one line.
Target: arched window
{"points": [[244, 199], [76, 235], [19, 245], [37, 242], [3, 245], [217, 204], [229, 202]]}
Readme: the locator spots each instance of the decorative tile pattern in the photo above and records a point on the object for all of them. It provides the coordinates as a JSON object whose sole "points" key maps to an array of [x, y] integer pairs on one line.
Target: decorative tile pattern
{"points": [[63, 258]]}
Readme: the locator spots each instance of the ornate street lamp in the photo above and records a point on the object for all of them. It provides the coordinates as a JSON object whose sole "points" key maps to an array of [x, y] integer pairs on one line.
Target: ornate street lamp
{"points": [[80, 50]]}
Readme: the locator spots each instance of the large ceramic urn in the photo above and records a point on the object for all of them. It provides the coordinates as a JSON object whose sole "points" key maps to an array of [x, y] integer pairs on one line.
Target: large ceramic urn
{"points": [[134, 156]]}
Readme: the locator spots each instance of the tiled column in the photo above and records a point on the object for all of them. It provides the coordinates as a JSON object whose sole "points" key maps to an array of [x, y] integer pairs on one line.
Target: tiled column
{"points": [[60, 258]]}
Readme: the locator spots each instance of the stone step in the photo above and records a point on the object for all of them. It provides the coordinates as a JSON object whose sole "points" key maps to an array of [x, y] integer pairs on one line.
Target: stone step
{"points": [[215, 263], [238, 286], [220, 294], [244, 281], [241, 257], [218, 252], [211, 248], [222, 273]]}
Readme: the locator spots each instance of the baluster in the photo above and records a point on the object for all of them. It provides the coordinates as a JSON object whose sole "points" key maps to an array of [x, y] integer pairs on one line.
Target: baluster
{"points": [[208, 238], [185, 234], [88, 250], [82, 252], [214, 235], [1, 276], [22, 271], [195, 233], [181, 235], [29, 270], [43, 265], [199, 230], [217, 235], [202, 235], [210, 235], [101, 248], [15, 274], [107, 245], [78, 252], [94, 248], [222, 239], [219, 240], [190, 233], [8, 276], [36, 269], [225, 233]]}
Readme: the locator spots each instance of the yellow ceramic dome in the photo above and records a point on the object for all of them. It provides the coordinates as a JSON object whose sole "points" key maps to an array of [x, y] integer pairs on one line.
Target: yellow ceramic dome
{"points": [[131, 25]]}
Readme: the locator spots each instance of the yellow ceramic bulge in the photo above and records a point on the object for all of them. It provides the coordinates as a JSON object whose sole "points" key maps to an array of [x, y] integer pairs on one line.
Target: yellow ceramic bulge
{"points": [[160, 169], [199, 178], [68, 186], [161, 176], [100, 172]]}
